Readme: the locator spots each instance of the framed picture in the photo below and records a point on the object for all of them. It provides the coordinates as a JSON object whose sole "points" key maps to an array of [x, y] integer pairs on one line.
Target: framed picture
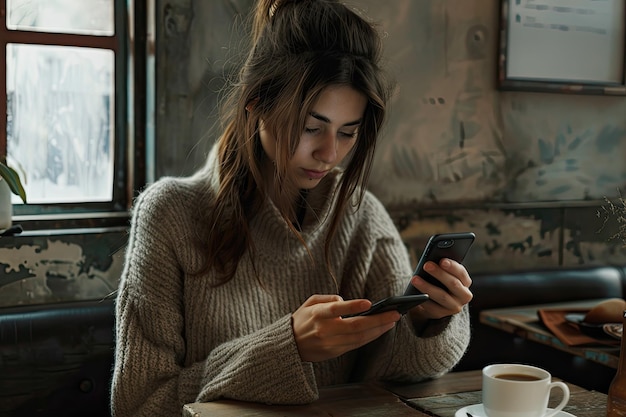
{"points": [[563, 46]]}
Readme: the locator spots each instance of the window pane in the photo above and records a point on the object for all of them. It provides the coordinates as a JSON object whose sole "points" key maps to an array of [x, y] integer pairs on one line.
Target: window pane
{"points": [[93, 17], [60, 121]]}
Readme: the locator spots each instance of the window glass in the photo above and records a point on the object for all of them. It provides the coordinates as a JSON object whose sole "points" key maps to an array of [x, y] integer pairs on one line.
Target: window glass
{"points": [[92, 17], [60, 121]]}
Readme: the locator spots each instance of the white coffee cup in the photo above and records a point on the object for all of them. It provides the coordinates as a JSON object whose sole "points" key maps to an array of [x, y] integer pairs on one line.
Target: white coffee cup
{"points": [[512, 390]]}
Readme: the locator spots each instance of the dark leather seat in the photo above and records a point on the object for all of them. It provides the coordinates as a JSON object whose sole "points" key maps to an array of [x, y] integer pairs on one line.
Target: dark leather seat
{"points": [[546, 286], [490, 345], [56, 359]]}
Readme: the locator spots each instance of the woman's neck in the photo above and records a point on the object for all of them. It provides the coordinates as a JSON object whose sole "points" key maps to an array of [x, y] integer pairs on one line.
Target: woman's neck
{"points": [[294, 201]]}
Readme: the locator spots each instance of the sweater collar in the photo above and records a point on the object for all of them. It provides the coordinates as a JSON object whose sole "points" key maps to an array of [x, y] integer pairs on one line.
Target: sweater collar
{"points": [[320, 201]]}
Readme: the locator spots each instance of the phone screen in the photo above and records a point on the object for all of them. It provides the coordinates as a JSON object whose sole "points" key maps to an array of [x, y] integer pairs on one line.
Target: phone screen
{"points": [[448, 245]]}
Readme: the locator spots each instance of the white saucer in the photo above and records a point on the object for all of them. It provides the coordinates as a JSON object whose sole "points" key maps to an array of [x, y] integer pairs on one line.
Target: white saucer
{"points": [[477, 410]]}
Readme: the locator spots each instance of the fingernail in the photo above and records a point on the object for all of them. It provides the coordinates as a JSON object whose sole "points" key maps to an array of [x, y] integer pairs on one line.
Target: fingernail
{"points": [[445, 263], [429, 267]]}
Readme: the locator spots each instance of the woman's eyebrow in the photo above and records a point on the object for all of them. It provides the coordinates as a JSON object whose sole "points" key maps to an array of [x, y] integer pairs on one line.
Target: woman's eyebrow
{"points": [[327, 120]]}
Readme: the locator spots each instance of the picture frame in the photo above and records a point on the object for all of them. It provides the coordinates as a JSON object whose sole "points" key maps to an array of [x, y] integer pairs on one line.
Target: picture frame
{"points": [[576, 46]]}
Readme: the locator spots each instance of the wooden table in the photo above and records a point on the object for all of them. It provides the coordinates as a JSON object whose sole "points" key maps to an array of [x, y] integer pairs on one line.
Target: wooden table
{"points": [[524, 322], [439, 398]]}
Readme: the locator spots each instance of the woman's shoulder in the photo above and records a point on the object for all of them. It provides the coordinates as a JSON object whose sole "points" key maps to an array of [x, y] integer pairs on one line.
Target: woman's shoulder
{"points": [[369, 205], [173, 198], [175, 189], [372, 204], [372, 215]]}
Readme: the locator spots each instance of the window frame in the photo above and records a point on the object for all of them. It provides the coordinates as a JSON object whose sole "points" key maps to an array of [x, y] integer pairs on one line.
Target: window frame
{"points": [[130, 83]]}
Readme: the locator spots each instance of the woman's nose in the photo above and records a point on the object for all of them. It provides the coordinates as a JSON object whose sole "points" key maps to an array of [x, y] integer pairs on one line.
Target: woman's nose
{"points": [[326, 150]]}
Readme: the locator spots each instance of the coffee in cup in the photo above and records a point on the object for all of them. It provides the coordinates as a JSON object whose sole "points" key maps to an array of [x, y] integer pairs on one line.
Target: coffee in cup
{"points": [[513, 390]]}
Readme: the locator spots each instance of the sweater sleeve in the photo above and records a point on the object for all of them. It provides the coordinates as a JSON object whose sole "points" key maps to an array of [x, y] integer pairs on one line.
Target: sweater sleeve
{"points": [[150, 376], [401, 355]]}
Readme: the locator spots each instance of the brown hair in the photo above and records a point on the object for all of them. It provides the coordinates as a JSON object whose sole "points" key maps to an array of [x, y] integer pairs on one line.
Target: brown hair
{"points": [[299, 47]]}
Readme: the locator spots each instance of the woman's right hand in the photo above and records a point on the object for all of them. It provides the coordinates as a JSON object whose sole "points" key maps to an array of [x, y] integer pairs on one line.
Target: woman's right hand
{"points": [[321, 333]]}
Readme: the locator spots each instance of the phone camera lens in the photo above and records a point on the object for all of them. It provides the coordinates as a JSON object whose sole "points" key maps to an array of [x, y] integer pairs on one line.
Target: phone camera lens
{"points": [[445, 243]]}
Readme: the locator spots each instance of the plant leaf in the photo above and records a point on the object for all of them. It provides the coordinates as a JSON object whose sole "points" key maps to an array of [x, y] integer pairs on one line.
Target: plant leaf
{"points": [[13, 181]]}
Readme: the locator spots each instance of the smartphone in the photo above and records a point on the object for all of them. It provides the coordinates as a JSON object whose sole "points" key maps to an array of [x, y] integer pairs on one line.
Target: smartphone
{"points": [[401, 303], [447, 245]]}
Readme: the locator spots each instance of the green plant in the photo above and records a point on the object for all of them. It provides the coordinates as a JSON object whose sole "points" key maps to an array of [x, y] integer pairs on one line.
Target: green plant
{"points": [[13, 180]]}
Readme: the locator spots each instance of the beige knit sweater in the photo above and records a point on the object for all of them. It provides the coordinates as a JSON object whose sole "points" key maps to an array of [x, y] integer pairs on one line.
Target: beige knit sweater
{"points": [[180, 339]]}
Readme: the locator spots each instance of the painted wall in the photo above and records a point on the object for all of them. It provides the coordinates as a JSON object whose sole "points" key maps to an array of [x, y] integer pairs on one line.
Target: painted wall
{"points": [[527, 172], [40, 267]]}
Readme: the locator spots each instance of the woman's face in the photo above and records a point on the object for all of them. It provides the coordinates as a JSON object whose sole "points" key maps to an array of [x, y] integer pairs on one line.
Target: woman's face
{"points": [[329, 135]]}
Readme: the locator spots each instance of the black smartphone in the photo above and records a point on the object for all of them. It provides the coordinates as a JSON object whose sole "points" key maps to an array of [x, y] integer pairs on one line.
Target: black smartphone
{"points": [[400, 303], [447, 245]]}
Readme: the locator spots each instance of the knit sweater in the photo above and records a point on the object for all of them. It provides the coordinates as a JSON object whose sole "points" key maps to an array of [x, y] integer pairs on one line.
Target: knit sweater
{"points": [[182, 339]]}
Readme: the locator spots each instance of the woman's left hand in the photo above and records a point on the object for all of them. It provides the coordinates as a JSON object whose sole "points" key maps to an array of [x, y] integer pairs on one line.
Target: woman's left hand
{"points": [[442, 303]]}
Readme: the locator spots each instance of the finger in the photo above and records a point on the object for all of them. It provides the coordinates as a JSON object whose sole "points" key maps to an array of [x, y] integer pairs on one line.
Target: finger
{"points": [[431, 289], [344, 308], [452, 275], [457, 270], [321, 298], [455, 293], [443, 303]]}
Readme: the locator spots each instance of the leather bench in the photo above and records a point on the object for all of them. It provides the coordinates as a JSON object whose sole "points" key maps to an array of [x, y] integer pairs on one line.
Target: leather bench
{"points": [[490, 345], [56, 360]]}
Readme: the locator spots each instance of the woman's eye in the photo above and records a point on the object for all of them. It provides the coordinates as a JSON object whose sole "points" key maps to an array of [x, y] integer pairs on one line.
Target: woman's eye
{"points": [[311, 129], [350, 135]]}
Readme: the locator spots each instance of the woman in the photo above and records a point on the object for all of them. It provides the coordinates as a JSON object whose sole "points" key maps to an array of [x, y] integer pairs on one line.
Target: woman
{"points": [[237, 278]]}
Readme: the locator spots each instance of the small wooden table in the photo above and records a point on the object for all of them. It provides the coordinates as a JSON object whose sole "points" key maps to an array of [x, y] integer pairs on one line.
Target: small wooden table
{"points": [[342, 400], [524, 322], [441, 397]]}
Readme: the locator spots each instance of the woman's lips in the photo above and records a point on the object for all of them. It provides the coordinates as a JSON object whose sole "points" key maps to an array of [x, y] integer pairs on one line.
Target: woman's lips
{"points": [[314, 175]]}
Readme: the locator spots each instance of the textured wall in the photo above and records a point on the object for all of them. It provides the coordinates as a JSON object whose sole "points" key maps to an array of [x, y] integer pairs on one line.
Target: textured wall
{"points": [[454, 137], [527, 172], [39, 268]]}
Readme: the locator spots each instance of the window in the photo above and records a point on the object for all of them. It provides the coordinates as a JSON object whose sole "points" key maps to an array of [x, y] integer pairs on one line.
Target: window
{"points": [[70, 116]]}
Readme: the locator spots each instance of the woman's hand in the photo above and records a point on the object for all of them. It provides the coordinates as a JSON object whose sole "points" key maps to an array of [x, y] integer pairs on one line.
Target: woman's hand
{"points": [[443, 303], [321, 333]]}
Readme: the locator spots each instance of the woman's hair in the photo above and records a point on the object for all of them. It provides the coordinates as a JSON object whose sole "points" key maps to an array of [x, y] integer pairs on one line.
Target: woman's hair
{"points": [[299, 47]]}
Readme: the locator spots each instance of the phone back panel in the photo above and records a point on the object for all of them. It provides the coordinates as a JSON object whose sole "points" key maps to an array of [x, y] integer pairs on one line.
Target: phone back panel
{"points": [[448, 245]]}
